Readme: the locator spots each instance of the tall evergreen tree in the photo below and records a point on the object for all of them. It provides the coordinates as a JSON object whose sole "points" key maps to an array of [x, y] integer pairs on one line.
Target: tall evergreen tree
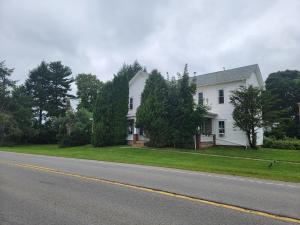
{"points": [[184, 114], [48, 85], [59, 86], [103, 116], [20, 108], [6, 85], [111, 108], [88, 87], [120, 94], [38, 85], [152, 114]]}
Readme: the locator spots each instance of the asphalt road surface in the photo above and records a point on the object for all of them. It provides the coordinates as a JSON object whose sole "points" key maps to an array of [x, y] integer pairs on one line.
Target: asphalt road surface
{"points": [[40, 195]]}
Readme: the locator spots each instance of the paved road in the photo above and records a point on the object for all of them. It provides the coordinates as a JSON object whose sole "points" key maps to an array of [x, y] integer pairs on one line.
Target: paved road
{"points": [[28, 196]]}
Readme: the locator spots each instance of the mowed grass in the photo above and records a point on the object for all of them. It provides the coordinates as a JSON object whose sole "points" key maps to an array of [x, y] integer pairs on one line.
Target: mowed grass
{"points": [[234, 161]]}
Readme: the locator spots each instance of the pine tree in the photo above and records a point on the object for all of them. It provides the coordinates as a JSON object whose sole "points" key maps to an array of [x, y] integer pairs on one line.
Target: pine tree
{"points": [[59, 86], [6, 86], [152, 114], [37, 86]]}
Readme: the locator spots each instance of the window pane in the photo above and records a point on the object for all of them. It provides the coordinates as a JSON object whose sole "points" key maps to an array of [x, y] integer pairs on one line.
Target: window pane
{"points": [[221, 96], [130, 103], [200, 98], [221, 127]]}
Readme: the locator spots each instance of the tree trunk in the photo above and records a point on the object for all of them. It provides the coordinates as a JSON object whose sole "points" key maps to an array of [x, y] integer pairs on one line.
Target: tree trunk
{"points": [[40, 116], [253, 138], [249, 139]]}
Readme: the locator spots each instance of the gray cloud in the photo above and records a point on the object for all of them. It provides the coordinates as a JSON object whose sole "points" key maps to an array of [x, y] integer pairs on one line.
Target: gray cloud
{"points": [[99, 36]]}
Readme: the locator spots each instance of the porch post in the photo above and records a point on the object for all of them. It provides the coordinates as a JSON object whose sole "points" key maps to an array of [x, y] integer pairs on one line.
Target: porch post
{"points": [[214, 140], [135, 134]]}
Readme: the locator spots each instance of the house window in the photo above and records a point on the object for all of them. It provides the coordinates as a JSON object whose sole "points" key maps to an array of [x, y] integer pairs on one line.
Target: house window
{"points": [[221, 96], [200, 98], [221, 128], [130, 103]]}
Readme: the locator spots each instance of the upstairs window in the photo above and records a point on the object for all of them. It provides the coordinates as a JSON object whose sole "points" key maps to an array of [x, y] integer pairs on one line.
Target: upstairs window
{"points": [[221, 96], [200, 98], [221, 128], [130, 103]]}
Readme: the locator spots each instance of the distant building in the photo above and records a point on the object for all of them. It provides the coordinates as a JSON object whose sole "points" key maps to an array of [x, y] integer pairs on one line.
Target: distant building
{"points": [[214, 90]]}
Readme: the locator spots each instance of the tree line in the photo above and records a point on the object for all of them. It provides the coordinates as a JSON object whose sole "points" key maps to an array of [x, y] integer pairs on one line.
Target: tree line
{"points": [[39, 110]]}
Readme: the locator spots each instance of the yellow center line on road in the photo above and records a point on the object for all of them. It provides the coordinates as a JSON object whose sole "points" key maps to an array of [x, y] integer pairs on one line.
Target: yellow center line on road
{"points": [[161, 192]]}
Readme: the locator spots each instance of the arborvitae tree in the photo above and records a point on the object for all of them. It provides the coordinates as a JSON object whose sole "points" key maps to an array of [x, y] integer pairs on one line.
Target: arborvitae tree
{"points": [[111, 108], [183, 110], [132, 69], [88, 87], [120, 97], [152, 114], [59, 86], [103, 117], [120, 107], [247, 112], [38, 85], [6, 86]]}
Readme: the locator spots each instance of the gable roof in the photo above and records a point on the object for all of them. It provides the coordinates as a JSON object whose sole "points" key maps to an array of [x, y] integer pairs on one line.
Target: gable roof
{"points": [[139, 73], [236, 74]]}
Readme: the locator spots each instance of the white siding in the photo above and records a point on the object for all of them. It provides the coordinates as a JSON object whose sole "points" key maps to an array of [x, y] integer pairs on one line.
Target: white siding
{"points": [[252, 80], [136, 87], [233, 136]]}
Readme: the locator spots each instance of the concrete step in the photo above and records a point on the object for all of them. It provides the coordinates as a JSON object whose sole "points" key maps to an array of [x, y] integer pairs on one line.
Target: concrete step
{"points": [[139, 144]]}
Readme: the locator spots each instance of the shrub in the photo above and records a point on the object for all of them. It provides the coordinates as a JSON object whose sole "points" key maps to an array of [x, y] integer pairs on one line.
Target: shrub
{"points": [[75, 128], [287, 143]]}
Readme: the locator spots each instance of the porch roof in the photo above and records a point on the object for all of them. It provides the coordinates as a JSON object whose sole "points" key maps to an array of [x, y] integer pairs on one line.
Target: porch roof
{"points": [[210, 115]]}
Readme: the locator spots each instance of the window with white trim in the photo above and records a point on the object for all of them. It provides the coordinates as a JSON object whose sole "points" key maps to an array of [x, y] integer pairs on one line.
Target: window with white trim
{"points": [[200, 98], [130, 103], [221, 96], [221, 128]]}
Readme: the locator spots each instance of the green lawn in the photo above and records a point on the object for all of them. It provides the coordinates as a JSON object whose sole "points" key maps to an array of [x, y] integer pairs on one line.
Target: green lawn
{"points": [[217, 160]]}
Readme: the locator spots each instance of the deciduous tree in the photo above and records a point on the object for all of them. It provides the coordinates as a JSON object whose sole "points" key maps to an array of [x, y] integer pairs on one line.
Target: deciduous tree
{"points": [[88, 87], [247, 112]]}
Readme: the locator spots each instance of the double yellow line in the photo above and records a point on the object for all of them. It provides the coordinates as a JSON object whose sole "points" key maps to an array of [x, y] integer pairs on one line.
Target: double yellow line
{"points": [[165, 193]]}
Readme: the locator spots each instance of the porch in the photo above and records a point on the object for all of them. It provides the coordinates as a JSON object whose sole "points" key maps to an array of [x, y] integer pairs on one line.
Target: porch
{"points": [[205, 138], [135, 136]]}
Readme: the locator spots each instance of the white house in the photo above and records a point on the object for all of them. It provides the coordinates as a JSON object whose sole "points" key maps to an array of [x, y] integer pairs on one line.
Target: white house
{"points": [[214, 90]]}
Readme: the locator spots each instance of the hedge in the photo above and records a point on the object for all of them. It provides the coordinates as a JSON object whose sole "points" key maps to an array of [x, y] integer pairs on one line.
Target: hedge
{"points": [[287, 143]]}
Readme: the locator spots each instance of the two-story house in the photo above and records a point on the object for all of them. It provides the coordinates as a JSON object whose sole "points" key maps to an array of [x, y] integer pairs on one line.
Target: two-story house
{"points": [[213, 90]]}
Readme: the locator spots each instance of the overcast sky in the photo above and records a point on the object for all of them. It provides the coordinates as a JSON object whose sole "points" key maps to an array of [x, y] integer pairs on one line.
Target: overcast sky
{"points": [[99, 36]]}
